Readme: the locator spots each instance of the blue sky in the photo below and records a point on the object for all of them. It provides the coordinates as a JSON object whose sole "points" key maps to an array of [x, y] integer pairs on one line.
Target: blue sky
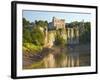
{"points": [[45, 15]]}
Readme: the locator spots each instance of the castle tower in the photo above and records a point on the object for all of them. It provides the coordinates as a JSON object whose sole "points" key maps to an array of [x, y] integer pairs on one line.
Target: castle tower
{"points": [[58, 23]]}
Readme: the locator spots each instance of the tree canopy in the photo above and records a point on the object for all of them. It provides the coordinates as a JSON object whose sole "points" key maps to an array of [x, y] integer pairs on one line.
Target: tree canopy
{"points": [[33, 34], [25, 22]]}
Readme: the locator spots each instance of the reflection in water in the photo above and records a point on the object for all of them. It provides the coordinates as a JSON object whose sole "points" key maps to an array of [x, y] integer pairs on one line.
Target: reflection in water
{"points": [[49, 61], [57, 57], [73, 60], [62, 60], [68, 57]]}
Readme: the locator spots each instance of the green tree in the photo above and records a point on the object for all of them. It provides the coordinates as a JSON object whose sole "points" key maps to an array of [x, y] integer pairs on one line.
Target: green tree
{"points": [[41, 23], [85, 37], [59, 39], [37, 36], [25, 22], [27, 35]]}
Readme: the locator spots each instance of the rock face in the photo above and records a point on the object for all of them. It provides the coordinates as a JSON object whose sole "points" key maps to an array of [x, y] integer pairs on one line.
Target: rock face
{"points": [[73, 35]]}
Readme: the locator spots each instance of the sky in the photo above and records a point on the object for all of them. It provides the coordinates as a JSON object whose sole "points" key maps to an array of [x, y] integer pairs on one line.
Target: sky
{"points": [[32, 15]]}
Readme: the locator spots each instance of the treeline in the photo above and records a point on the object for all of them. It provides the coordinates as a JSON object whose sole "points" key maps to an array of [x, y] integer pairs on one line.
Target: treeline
{"points": [[34, 34], [84, 30], [85, 35]]}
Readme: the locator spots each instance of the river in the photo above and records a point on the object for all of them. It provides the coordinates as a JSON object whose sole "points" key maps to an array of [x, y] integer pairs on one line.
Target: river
{"points": [[67, 56]]}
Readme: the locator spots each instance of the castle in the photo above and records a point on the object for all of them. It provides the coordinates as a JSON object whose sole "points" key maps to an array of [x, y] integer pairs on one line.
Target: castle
{"points": [[69, 34], [57, 23]]}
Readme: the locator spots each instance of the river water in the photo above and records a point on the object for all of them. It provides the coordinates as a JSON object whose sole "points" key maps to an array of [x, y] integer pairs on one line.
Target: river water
{"points": [[67, 57], [57, 57]]}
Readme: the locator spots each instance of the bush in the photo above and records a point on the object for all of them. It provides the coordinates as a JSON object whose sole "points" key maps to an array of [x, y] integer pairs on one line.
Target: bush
{"points": [[59, 40], [37, 37], [85, 36], [27, 35], [31, 47]]}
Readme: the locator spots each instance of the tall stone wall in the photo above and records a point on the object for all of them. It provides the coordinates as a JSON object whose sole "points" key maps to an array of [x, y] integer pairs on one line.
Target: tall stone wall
{"points": [[73, 35]]}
